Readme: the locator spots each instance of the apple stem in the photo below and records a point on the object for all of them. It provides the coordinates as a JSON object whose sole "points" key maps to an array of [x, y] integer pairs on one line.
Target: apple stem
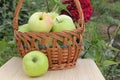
{"points": [[41, 17], [58, 20], [34, 59]]}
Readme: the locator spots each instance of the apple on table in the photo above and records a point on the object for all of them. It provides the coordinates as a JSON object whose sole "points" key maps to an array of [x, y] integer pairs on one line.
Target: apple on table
{"points": [[35, 63]]}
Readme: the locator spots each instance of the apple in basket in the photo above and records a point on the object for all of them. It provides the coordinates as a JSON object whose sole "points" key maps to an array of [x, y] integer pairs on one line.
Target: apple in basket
{"points": [[35, 63], [23, 28], [40, 22], [53, 15], [63, 22]]}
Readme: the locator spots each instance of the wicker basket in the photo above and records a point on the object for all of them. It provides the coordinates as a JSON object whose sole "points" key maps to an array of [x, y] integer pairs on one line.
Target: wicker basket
{"points": [[59, 56]]}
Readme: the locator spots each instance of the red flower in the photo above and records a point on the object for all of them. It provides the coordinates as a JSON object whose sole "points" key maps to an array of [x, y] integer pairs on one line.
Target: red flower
{"points": [[85, 5]]}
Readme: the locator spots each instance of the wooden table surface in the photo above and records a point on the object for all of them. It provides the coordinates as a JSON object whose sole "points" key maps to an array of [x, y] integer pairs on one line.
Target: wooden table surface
{"points": [[85, 69]]}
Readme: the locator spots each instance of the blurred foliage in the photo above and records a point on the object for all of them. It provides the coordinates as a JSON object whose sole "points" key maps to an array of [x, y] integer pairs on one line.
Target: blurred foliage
{"points": [[106, 56], [105, 13]]}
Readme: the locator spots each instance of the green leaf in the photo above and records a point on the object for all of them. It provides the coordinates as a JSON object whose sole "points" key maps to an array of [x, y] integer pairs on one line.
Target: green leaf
{"points": [[109, 62], [52, 1], [62, 7], [112, 48]]}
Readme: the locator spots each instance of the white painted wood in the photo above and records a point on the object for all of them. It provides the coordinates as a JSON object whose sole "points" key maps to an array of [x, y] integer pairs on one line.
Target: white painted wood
{"points": [[85, 69]]}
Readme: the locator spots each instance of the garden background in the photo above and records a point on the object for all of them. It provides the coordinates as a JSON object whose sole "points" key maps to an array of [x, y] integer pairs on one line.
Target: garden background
{"points": [[101, 37]]}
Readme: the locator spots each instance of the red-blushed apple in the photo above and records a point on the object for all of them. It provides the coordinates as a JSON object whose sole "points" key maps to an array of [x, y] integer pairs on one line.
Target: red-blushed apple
{"points": [[40, 22], [63, 22], [35, 63], [24, 28]]}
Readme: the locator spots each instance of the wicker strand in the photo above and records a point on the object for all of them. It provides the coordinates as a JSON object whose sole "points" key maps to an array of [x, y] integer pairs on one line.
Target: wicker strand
{"points": [[15, 19], [81, 17]]}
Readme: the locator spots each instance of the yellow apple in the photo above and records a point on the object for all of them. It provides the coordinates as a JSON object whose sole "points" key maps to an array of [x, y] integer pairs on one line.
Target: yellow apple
{"points": [[40, 22]]}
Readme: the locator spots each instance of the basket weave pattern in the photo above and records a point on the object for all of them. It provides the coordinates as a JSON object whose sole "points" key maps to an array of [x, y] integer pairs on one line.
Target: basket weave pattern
{"points": [[60, 57]]}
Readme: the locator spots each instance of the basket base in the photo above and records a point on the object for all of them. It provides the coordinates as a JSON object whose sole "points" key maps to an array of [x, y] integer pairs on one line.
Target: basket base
{"points": [[62, 66]]}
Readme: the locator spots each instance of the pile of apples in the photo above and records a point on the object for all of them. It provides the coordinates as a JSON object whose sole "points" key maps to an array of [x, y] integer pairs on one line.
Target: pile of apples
{"points": [[47, 22], [35, 63]]}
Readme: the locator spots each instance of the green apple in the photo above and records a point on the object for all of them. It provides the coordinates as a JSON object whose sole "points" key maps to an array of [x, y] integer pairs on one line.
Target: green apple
{"points": [[61, 43], [53, 15], [63, 22], [40, 22], [24, 28], [35, 63]]}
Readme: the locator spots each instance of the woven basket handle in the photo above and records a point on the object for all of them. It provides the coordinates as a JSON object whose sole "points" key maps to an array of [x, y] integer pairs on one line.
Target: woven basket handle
{"points": [[17, 10]]}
